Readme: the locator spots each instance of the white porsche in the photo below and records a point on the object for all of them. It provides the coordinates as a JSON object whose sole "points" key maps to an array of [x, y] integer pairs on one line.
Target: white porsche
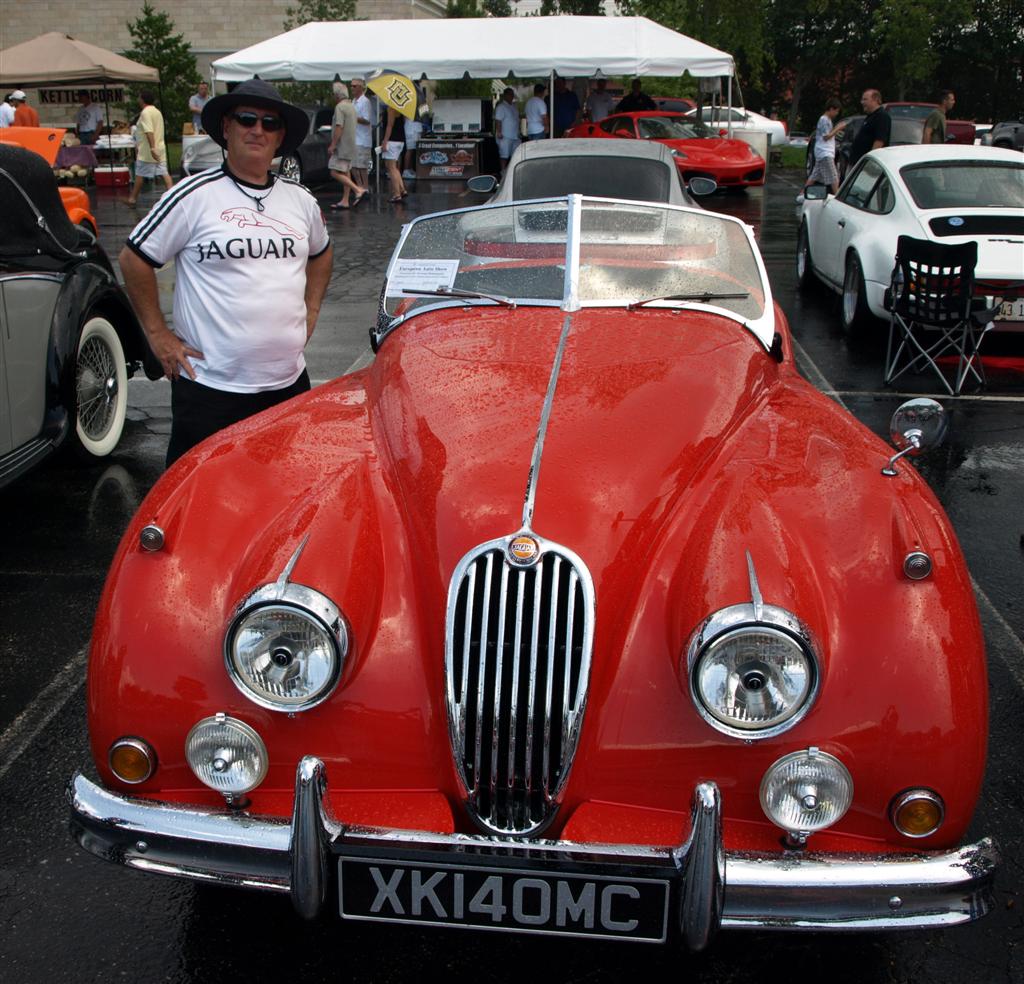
{"points": [[945, 193]]}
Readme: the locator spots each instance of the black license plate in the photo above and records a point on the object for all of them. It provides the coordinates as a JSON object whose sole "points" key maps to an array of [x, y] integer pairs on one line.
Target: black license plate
{"points": [[507, 899]]}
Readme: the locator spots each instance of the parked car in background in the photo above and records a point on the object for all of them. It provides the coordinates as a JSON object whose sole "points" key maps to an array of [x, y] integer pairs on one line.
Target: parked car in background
{"points": [[957, 131], [552, 619], [945, 193], [306, 164], [552, 168], [721, 117], [698, 150], [69, 339], [673, 104], [1008, 135]]}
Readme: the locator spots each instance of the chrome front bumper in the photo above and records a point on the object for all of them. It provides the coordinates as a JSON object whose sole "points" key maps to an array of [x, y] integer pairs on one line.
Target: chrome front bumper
{"points": [[795, 890]]}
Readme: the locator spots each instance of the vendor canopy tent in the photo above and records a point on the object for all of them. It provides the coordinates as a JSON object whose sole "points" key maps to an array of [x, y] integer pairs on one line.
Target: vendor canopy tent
{"points": [[58, 59], [483, 47]]}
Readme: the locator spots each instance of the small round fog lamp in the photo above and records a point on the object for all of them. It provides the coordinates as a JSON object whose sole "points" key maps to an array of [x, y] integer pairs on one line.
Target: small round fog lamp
{"points": [[226, 754], [917, 812], [131, 760]]}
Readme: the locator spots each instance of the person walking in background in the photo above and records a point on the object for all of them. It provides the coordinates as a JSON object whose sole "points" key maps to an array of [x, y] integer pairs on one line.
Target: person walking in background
{"points": [[391, 151], [364, 134], [342, 148], [935, 126], [537, 119], [506, 126], [876, 130], [24, 114], [252, 260], [196, 103], [413, 131], [599, 103], [6, 112], [150, 149], [824, 170], [89, 118]]}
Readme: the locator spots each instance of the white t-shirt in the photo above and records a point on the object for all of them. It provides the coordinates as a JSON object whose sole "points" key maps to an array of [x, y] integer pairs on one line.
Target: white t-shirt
{"points": [[364, 110], [600, 105], [508, 116], [239, 293], [536, 110], [89, 118], [823, 147], [6, 113], [197, 103]]}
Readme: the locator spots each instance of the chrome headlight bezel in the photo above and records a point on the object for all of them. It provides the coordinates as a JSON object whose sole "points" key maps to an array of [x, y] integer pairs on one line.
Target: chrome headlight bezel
{"points": [[307, 603], [739, 618]]}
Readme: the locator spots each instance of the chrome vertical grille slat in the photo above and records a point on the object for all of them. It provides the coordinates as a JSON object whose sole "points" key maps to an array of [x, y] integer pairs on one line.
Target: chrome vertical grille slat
{"points": [[518, 662]]}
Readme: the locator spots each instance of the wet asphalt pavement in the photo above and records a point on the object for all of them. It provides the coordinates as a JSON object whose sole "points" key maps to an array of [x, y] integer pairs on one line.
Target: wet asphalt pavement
{"points": [[66, 916]]}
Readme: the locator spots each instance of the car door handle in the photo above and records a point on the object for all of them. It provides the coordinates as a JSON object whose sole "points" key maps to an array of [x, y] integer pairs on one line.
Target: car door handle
{"points": [[841, 223]]}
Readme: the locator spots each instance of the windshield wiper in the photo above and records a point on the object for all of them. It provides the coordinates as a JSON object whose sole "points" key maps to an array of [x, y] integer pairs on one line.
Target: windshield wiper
{"points": [[459, 293], [704, 298]]}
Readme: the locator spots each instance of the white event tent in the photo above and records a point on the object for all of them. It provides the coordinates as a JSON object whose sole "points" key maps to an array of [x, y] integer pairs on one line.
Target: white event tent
{"points": [[480, 47]]}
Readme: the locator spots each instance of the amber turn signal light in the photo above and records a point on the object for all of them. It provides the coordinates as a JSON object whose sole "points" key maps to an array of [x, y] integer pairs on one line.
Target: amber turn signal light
{"points": [[917, 812], [132, 760]]}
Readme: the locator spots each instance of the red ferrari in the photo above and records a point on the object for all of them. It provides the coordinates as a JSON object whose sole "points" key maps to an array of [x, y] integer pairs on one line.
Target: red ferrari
{"points": [[697, 150]]}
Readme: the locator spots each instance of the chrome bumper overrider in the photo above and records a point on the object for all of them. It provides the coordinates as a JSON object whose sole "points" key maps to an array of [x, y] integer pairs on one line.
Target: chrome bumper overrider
{"points": [[797, 890]]}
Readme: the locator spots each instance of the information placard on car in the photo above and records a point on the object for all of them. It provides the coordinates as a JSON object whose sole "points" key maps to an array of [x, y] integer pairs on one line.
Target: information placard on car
{"points": [[509, 899], [416, 274]]}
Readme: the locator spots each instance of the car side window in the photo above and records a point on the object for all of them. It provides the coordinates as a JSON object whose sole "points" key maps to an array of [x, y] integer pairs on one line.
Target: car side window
{"points": [[857, 190], [608, 125], [882, 198], [624, 123]]}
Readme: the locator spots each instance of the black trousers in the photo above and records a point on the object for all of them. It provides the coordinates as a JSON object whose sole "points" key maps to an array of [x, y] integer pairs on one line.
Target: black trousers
{"points": [[198, 411]]}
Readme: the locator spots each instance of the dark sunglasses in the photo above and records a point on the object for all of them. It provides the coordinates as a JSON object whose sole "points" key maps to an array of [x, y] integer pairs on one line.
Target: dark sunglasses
{"points": [[270, 123]]}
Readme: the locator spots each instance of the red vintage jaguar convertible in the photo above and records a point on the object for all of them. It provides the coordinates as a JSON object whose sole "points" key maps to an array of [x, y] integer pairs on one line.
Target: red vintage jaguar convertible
{"points": [[577, 612]]}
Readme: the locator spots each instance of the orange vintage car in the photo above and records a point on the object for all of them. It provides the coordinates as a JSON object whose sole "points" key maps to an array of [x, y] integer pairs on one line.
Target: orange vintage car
{"points": [[45, 141], [577, 612]]}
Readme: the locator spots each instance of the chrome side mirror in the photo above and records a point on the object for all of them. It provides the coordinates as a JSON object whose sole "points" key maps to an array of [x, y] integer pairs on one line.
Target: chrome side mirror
{"points": [[916, 426], [484, 183], [815, 193]]}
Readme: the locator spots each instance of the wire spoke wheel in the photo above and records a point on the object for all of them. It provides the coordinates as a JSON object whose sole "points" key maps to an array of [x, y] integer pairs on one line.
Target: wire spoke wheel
{"points": [[101, 388]]}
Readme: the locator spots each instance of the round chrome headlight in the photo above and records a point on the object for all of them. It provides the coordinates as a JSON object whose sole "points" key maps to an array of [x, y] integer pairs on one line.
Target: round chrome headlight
{"points": [[753, 680], [285, 650], [226, 755], [806, 791]]}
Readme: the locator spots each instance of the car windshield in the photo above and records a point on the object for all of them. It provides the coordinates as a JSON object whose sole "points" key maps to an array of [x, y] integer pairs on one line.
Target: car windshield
{"points": [[604, 177], [672, 128], [912, 111], [967, 184], [579, 252]]}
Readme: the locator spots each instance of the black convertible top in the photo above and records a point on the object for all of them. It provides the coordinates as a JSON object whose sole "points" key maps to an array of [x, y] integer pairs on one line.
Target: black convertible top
{"points": [[24, 173]]}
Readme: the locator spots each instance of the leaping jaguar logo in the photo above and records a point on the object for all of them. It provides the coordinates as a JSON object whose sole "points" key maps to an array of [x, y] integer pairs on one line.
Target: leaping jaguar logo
{"points": [[245, 217]]}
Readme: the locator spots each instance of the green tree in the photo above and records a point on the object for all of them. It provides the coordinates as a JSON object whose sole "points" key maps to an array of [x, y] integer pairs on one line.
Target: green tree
{"points": [[154, 43], [310, 12], [580, 8]]}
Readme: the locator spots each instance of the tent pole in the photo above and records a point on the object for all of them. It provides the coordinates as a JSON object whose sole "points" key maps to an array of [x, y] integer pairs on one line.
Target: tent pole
{"points": [[730, 106], [551, 105]]}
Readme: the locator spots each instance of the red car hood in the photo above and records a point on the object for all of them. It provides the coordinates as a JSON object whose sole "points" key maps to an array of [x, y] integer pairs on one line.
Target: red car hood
{"points": [[714, 149]]}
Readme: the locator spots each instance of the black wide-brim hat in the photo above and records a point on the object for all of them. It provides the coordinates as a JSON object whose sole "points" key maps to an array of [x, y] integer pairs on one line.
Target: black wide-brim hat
{"points": [[256, 92]]}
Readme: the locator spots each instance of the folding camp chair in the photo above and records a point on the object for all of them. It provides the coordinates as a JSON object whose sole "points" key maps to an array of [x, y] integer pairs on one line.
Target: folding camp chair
{"points": [[932, 312]]}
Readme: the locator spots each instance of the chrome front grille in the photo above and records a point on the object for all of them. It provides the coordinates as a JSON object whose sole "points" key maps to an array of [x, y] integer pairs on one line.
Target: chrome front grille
{"points": [[518, 649]]}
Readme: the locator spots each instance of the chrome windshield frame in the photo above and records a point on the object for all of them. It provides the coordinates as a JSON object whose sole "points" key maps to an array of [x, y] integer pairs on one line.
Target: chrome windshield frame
{"points": [[762, 327]]}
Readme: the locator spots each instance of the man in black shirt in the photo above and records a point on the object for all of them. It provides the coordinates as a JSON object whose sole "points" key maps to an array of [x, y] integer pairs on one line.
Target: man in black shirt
{"points": [[636, 101], [876, 128]]}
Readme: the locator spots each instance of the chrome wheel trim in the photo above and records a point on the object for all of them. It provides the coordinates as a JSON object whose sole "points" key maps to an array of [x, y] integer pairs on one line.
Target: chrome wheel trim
{"points": [[96, 388], [851, 291], [801, 254]]}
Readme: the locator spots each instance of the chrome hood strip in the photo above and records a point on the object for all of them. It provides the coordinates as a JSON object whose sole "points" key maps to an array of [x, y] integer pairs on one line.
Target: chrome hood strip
{"points": [[542, 428]]}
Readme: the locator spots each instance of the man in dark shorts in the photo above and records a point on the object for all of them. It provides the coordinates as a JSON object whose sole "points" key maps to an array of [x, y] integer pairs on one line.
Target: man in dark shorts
{"points": [[252, 263], [876, 129]]}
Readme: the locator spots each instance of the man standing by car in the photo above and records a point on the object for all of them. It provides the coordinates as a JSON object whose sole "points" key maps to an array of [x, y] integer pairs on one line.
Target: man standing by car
{"points": [[506, 124], [876, 129], [537, 120], [197, 101], [637, 101], [599, 102], [252, 262], [935, 125]]}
